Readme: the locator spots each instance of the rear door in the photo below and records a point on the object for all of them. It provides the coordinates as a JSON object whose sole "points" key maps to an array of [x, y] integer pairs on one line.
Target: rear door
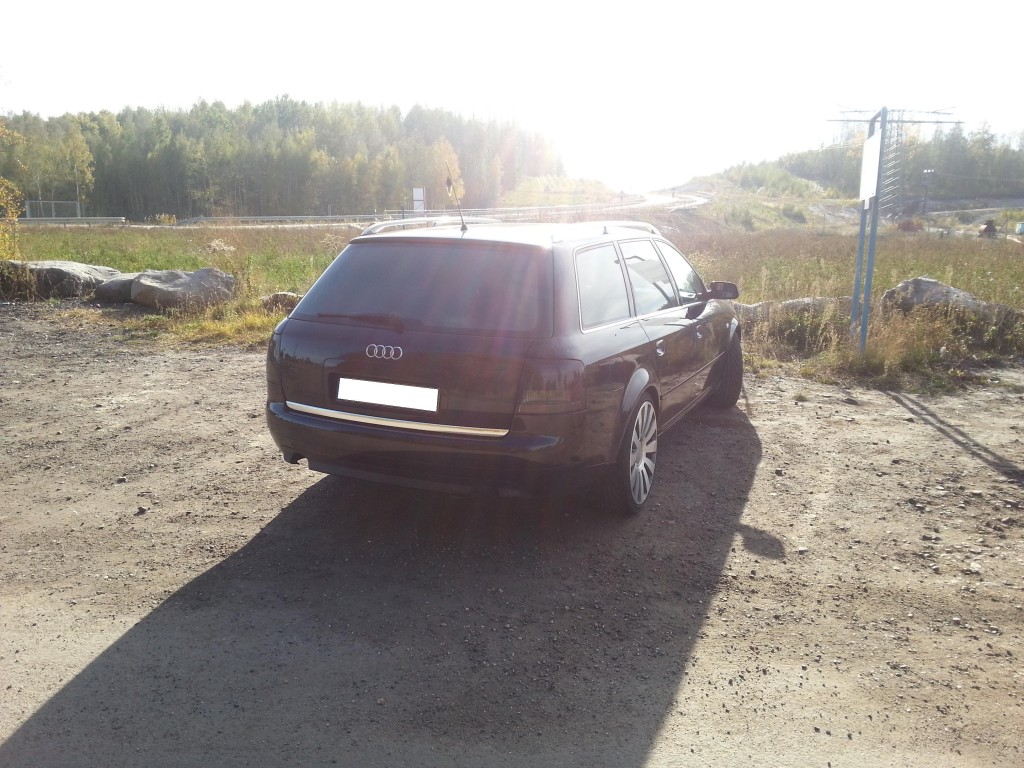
{"points": [[612, 346]]}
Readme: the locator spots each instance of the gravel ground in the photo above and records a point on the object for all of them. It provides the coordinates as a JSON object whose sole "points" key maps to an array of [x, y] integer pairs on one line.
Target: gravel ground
{"points": [[826, 577]]}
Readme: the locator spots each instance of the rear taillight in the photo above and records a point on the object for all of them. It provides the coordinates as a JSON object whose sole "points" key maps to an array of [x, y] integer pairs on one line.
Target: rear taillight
{"points": [[275, 393], [552, 386]]}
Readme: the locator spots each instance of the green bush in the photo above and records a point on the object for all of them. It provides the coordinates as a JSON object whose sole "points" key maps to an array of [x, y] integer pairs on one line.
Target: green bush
{"points": [[794, 214]]}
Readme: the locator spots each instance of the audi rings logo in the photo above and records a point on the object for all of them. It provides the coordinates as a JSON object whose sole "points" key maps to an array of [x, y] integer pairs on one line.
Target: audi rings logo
{"points": [[382, 352]]}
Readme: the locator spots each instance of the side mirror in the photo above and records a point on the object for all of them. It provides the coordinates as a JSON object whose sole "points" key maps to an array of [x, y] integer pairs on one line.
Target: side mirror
{"points": [[722, 291]]}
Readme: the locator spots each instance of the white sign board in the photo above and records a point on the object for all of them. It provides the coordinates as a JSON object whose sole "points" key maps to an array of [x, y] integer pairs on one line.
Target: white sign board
{"points": [[869, 167], [418, 198]]}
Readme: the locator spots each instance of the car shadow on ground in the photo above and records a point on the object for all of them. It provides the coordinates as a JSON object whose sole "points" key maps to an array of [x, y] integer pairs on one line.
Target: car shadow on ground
{"points": [[372, 626]]}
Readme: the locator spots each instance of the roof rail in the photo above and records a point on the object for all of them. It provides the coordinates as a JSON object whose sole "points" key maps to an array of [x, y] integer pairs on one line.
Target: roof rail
{"points": [[643, 226], [425, 221]]}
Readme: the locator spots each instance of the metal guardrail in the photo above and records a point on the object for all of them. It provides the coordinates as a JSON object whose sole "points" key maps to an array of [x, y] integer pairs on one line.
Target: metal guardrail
{"points": [[76, 221], [533, 213], [250, 220]]}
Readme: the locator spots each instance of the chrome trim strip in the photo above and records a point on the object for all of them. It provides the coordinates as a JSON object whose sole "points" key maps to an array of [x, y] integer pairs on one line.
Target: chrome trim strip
{"points": [[377, 421]]}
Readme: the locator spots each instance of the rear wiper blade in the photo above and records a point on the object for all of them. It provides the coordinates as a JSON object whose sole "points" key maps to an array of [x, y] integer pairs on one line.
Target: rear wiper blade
{"points": [[381, 320]]}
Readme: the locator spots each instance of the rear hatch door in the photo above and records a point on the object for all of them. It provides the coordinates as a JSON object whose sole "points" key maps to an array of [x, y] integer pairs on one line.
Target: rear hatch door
{"points": [[432, 333]]}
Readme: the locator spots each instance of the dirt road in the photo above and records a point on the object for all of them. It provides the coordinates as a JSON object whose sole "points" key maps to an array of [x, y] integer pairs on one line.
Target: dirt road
{"points": [[825, 578]]}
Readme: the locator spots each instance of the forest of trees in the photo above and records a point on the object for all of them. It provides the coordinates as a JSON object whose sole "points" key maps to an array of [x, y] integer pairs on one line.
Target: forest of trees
{"points": [[288, 158], [973, 167], [282, 157]]}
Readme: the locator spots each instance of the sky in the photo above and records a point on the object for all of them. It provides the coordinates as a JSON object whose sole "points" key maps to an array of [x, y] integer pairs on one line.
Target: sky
{"points": [[640, 95]]}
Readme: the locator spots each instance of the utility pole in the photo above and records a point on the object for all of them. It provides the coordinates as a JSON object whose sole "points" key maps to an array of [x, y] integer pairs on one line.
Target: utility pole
{"points": [[928, 174]]}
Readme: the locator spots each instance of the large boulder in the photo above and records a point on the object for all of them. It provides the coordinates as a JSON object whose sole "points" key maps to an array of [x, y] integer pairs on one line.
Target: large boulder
{"points": [[173, 289], [282, 301], [927, 292], [65, 279], [820, 305], [116, 290]]}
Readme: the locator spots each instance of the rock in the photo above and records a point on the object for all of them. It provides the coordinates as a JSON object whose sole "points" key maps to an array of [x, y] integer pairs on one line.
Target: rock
{"points": [[172, 289], [116, 290], [65, 279], [927, 292], [283, 301], [755, 313]]}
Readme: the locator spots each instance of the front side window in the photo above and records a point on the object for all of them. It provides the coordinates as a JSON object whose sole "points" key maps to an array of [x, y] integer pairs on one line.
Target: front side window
{"points": [[652, 288], [603, 296], [687, 280]]}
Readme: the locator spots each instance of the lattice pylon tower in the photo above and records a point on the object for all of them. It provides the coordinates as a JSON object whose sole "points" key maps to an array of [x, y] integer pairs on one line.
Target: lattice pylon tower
{"points": [[890, 195]]}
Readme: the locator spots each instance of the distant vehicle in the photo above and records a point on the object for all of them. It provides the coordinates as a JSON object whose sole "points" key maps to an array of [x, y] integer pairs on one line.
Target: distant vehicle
{"points": [[501, 358]]}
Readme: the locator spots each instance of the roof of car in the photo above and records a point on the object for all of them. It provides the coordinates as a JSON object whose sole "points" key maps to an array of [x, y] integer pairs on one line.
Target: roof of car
{"points": [[532, 234]]}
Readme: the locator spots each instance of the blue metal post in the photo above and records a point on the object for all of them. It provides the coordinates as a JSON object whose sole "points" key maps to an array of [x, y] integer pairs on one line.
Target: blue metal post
{"points": [[858, 274], [869, 271]]}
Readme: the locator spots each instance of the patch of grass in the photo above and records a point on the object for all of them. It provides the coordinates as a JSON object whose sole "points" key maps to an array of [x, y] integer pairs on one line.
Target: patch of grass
{"points": [[264, 259], [242, 322], [776, 265], [16, 282], [925, 350]]}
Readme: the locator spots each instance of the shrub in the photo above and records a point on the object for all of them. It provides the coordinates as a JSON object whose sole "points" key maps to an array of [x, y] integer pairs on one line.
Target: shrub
{"points": [[10, 209], [16, 282], [794, 214]]}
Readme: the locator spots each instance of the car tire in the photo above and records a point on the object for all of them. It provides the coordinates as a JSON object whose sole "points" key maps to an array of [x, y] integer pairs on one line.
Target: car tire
{"points": [[728, 376], [633, 476]]}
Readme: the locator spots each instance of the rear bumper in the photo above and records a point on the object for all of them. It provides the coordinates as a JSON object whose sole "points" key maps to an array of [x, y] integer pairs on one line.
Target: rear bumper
{"points": [[522, 462]]}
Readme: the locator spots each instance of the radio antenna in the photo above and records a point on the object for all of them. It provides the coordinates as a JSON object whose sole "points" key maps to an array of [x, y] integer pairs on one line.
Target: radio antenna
{"points": [[450, 186]]}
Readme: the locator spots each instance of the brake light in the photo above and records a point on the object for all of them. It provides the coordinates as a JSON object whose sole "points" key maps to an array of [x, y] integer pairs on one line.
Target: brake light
{"points": [[552, 386], [275, 393]]}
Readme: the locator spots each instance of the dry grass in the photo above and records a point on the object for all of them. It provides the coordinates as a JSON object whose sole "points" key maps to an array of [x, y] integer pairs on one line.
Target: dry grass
{"points": [[923, 350]]}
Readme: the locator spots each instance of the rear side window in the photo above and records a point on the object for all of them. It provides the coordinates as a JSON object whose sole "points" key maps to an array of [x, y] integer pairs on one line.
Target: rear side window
{"points": [[453, 286], [603, 295], [652, 287]]}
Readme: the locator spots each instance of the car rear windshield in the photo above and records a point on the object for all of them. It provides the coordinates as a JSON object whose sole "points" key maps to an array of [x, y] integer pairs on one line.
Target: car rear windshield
{"points": [[451, 286]]}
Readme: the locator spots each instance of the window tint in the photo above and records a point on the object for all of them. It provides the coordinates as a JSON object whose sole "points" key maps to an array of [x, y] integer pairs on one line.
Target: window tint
{"points": [[444, 286], [687, 279], [652, 288], [603, 296]]}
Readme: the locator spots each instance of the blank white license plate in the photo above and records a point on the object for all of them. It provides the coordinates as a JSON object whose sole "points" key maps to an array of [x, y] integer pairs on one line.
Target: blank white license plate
{"points": [[396, 395]]}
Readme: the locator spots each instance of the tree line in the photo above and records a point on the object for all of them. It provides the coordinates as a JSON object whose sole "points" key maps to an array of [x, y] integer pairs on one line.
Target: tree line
{"points": [[281, 157], [950, 165]]}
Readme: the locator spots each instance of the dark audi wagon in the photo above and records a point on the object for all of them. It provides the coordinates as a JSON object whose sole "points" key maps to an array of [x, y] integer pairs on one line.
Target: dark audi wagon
{"points": [[501, 358]]}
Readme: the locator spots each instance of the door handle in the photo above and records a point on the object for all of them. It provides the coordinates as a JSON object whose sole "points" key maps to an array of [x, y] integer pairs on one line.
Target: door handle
{"points": [[659, 348]]}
